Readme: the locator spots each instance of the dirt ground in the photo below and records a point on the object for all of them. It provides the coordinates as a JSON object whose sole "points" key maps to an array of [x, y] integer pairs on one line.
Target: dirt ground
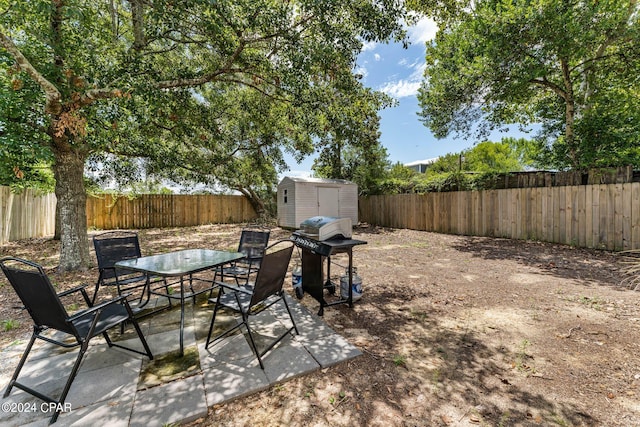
{"points": [[454, 331]]}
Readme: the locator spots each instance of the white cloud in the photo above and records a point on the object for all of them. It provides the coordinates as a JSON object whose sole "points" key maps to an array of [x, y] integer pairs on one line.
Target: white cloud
{"points": [[401, 88], [377, 57], [406, 87], [368, 46], [423, 31], [418, 70]]}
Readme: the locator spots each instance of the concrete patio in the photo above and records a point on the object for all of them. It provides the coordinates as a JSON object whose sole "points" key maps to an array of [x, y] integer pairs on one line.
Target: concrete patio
{"points": [[119, 388]]}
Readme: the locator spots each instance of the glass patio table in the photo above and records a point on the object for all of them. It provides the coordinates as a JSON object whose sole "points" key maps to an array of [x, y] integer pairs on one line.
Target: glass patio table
{"points": [[179, 264]]}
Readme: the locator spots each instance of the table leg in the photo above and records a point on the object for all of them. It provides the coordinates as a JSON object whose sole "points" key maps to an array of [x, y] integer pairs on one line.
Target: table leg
{"points": [[350, 299], [146, 290], [181, 316]]}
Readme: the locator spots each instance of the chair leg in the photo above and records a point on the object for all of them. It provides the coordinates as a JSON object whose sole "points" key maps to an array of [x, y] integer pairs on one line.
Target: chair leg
{"points": [[134, 322], [253, 345], [142, 338], [284, 299], [20, 364], [67, 386], [95, 292], [121, 324], [213, 319]]}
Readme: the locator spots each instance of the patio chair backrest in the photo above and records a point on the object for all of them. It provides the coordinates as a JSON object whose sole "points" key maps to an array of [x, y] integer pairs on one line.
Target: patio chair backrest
{"points": [[115, 246], [273, 271], [37, 294], [253, 243]]}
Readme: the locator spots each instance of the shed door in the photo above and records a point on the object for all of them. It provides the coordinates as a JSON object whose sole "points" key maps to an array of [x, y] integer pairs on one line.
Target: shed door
{"points": [[328, 202]]}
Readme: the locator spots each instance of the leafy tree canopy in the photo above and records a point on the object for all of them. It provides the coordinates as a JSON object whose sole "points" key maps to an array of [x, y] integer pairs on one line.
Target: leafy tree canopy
{"points": [[352, 149], [194, 87], [569, 65]]}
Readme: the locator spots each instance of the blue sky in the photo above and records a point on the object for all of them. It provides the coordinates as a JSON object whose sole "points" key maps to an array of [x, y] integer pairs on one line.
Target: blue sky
{"points": [[398, 72]]}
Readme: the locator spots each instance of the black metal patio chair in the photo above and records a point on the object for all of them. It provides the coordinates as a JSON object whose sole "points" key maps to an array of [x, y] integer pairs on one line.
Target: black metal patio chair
{"points": [[252, 244], [250, 301], [114, 246], [48, 313]]}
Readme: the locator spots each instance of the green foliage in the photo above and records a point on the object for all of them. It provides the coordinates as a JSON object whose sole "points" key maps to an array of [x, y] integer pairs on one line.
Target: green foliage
{"points": [[9, 324], [472, 169], [353, 150], [571, 67], [24, 162], [491, 157], [213, 92], [400, 360]]}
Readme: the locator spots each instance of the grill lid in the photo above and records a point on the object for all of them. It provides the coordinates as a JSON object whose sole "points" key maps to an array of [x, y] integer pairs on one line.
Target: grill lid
{"points": [[326, 227]]}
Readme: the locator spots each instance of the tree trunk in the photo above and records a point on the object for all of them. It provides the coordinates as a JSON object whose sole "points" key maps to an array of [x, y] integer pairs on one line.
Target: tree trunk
{"points": [[56, 235], [254, 199], [570, 111], [72, 209]]}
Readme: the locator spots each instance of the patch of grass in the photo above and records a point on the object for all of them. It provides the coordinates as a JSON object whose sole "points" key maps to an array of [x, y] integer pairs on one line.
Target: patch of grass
{"points": [[419, 245], [341, 396], [400, 360], [504, 419], [594, 302], [10, 324], [522, 357], [420, 316], [168, 367], [559, 420], [436, 376], [442, 353], [310, 391]]}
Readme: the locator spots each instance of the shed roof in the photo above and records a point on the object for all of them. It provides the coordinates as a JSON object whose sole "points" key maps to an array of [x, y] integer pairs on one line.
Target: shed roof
{"points": [[423, 162], [318, 180]]}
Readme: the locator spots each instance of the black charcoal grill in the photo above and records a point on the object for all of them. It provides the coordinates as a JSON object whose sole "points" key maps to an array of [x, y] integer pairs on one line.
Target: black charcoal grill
{"points": [[320, 237]]}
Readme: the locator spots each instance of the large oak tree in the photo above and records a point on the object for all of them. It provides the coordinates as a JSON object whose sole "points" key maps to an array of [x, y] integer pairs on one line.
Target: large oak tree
{"points": [[155, 78]]}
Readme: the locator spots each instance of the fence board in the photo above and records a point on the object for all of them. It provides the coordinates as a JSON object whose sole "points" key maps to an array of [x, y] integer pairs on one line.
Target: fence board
{"points": [[635, 216], [618, 217], [580, 213], [626, 201], [610, 221]]}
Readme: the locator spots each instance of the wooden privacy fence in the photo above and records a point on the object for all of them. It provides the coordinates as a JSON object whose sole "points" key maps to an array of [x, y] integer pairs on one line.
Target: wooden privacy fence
{"points": [[25, 215], [166, 210], [592, 216], [30, 214]]}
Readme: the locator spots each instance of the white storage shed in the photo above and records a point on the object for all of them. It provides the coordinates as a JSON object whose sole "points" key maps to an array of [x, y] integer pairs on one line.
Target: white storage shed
{"points": [[302, 198]]}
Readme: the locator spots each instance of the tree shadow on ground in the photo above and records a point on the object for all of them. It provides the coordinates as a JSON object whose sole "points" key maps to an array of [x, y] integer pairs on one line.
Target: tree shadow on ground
{"points": [[586, 266], [451, 366]]}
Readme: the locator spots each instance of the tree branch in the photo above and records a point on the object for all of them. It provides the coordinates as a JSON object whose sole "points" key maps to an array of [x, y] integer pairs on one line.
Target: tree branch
{"points": [[137, 18], [550, 85], [94, 94], [51, 92]]}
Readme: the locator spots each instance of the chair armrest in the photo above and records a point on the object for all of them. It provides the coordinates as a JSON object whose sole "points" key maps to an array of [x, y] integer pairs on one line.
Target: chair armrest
{"points": [[234, 288], [70, 291], [98, 307]]}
